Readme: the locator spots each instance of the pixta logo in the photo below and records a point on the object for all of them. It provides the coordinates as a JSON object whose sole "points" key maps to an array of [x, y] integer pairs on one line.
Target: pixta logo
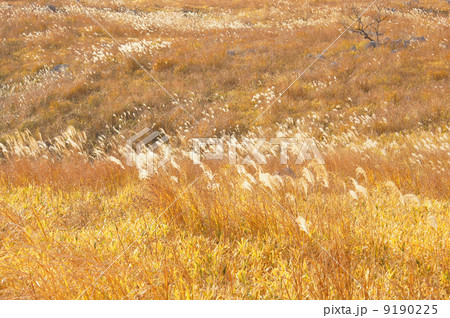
{"points": [[215, 149], [142, 150]]}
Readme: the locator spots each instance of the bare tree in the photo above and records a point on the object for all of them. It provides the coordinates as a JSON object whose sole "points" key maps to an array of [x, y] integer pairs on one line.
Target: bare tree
{"points": [[369, 26]]}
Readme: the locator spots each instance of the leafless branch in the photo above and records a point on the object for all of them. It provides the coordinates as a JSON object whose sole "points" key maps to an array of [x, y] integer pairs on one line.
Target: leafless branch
{"points": [[368, 26]]}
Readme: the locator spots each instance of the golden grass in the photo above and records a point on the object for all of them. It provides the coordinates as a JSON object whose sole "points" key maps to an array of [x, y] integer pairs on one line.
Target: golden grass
{"points": [[96, 231], [76, 222]]}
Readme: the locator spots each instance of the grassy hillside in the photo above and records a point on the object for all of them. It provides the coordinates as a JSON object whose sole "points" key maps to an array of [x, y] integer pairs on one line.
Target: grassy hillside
{"points": [[78, 79]]}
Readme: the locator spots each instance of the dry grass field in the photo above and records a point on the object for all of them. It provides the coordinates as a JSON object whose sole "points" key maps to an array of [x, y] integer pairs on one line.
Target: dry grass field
{"points": [[83, 217]]}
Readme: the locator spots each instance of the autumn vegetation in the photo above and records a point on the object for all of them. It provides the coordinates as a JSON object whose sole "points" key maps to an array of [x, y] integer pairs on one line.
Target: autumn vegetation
{"points": [[82, 217]]}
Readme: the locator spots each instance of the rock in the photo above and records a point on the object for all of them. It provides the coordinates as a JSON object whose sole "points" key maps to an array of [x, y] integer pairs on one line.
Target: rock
{"points": [[238, 51], [51, 8], [398, 43], [320, 56], [371, 45], [334, 64], [387, 41], [443, 45], [418, 39], [59, 68], [353, 48]]}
